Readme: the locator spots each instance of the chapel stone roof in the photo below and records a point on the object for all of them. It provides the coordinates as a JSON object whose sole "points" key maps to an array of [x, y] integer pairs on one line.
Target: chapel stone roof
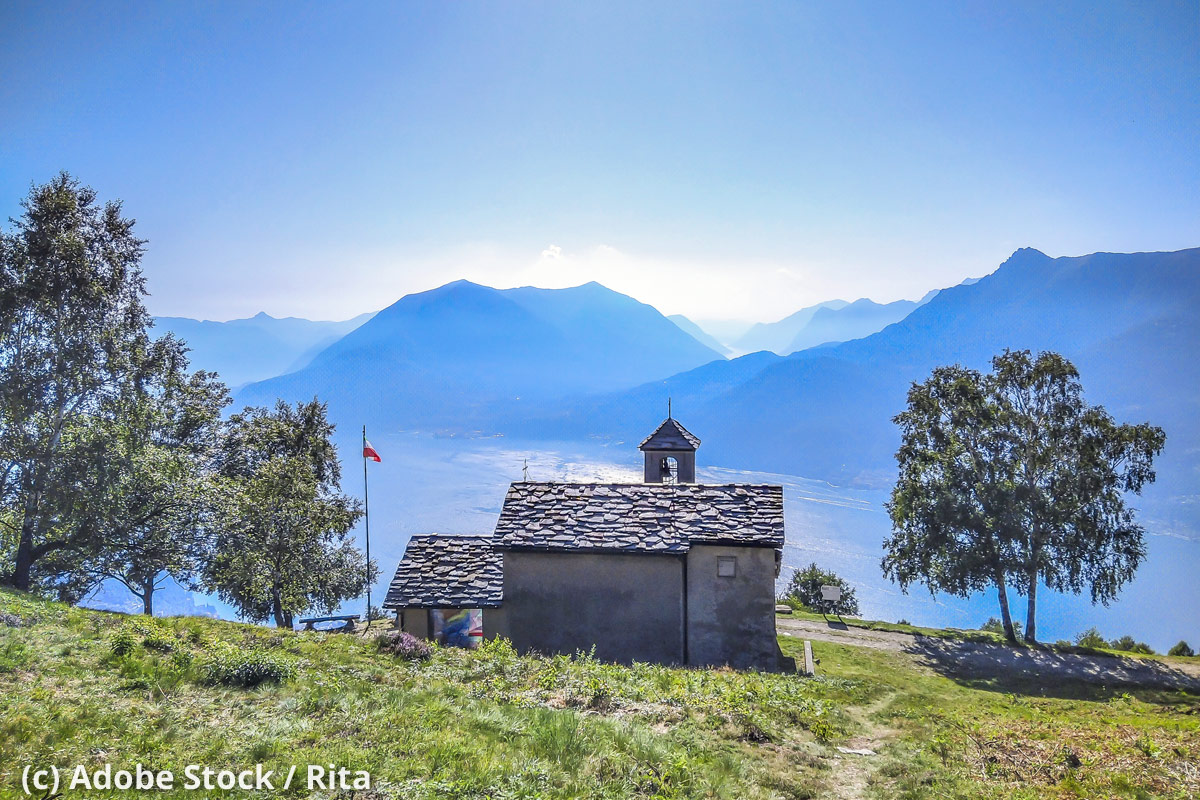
{"points": [[448, 571], [670, 436], [638, 517]]}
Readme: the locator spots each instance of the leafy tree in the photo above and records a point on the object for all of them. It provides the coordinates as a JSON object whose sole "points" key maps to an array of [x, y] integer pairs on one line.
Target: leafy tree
{"points": [[285, 548], [157, 498], [1074, 466], [1011, 479], [1181, 649], [949, 506], [72, 337], [805, 589]]}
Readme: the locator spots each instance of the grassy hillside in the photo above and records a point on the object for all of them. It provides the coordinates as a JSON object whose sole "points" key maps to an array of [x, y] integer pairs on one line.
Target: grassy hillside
{"points": [[86, 687]]}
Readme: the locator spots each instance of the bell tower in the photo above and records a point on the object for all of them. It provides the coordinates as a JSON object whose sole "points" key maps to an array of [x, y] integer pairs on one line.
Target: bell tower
{"points": [[670, 453]]}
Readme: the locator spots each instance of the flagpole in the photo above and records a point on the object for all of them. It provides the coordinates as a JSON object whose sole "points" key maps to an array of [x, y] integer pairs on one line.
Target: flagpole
{"points": [[367, 520]]}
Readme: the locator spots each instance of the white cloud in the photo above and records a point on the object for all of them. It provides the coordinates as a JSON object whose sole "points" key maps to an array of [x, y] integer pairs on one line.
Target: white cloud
{"points": [[552, 252]]}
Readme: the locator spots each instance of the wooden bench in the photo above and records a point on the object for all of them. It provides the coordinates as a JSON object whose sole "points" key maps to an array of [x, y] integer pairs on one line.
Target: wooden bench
{"points": [[348, 619]]}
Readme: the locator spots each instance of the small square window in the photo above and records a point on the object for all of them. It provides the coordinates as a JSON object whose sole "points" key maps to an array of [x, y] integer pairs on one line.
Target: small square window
{"points": [[727, 567]]}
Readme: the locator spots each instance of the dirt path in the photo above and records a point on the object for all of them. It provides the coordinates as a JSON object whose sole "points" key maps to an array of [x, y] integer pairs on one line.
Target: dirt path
{"points": [[853, 770], [974, 659]]}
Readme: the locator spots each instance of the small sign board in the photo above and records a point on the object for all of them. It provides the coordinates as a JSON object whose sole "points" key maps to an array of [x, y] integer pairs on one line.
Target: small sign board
{"points": [[831, 594]]}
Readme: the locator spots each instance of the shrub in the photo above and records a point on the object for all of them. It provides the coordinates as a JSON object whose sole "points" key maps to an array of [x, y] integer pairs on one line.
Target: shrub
{"points": [[404, 646], [995, 625], [1091, 638], [501, 650], [1181, 649], [805, 588], [246, 668], [1127, 644], [122, 642], [158, 639]]}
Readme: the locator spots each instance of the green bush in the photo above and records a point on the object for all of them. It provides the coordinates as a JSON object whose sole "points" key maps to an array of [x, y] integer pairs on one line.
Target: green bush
{"points": [[1182, 649], [122, 642], [246, 668], [160, 640], [805, 588], [1091, 638], [1127, 644]]}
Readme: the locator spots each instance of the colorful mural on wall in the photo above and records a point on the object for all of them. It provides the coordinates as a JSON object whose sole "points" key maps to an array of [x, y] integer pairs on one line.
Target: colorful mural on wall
{"points": [[458, 627]]}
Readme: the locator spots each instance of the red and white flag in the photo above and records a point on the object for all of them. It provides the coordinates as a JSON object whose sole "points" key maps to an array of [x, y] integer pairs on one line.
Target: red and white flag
{"points": [[369, 451]]}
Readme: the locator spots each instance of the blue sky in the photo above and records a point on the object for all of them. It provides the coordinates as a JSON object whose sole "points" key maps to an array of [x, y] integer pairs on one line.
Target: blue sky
{"points": [[718, 160]]}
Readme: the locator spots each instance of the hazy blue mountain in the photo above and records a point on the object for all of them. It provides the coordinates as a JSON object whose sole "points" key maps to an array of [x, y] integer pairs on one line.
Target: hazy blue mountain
{"points": [[698, 333], [778, 336], [262, 346], [854, 321], [1127, 320], [458, 356], [725, 331]]}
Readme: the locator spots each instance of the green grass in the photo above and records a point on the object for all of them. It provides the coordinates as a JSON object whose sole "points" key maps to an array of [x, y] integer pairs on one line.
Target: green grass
{"points": [[84, 687], [1020, 737]]}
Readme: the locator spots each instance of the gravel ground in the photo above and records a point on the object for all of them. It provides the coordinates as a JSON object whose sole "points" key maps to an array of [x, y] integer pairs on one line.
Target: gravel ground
{"points": [[975, 659]]}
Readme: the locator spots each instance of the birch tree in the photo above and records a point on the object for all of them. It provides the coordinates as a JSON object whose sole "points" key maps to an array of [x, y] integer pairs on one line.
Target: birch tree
{"points": [[1011, 479], [73, 329]]}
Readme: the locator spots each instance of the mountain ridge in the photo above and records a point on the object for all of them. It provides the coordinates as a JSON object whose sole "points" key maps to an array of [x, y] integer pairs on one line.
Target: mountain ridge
{"points": [[833, 405], [699, 334], [776, 336], [852, 321], [254, 348], [449, 355]]}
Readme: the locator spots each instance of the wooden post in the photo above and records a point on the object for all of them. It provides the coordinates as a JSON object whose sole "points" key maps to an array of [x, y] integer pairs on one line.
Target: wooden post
{"points": [[367, 522], [809, 668]]}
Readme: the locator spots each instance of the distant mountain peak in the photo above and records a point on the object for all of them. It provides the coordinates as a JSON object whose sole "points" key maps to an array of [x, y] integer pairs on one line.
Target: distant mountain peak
{"points": [[462, 284], [449, 354], [1027, 255]]}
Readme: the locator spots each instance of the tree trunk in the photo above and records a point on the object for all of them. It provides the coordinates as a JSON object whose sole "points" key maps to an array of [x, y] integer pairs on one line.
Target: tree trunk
{"points": [[23, 564], [1005, 614], [148, 599], [1030, 622], [282, 619]]}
